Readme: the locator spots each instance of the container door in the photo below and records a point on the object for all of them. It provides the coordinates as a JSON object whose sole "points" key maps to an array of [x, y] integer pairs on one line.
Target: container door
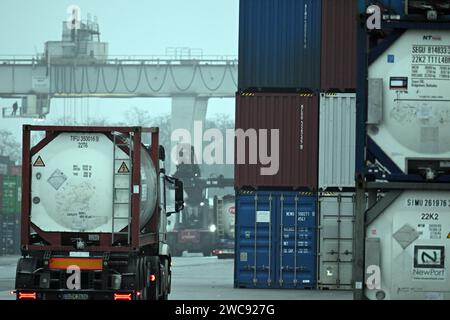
{"points": [[255, 250], [296, 267], [336, 241], [11, 193]]}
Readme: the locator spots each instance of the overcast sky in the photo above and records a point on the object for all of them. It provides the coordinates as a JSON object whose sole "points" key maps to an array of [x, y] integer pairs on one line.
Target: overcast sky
{"points": [[132, 27]]}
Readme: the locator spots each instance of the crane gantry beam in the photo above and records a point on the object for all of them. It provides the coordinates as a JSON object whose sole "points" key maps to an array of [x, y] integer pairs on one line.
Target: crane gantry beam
{"points": [[119, 78]]}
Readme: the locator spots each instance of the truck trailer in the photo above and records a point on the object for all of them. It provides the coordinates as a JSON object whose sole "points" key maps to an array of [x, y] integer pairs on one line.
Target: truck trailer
{"points": [[94, 215]]}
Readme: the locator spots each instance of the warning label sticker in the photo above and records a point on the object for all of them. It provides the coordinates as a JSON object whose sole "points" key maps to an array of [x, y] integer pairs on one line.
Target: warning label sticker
{"points": [[263, 216], [123, 168], [57, 179], [39, 162], [429, 231], [429, 263]]}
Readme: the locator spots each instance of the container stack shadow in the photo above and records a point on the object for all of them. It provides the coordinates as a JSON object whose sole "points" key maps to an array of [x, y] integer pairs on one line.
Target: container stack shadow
{"points": [[10, 207]]}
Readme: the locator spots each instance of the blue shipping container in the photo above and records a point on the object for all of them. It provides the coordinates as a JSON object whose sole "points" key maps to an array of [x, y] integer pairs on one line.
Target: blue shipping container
{"points": [[279, 44], [275, 240]]}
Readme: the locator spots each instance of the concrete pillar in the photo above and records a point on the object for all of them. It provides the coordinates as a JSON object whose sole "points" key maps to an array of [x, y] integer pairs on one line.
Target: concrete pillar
{"points": [[185, 111]]}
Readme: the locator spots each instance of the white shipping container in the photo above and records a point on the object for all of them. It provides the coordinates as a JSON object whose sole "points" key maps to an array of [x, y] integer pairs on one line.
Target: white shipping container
{"points": [[409, 242], [72, 185], [409, 114], [337, 130], [335, 238]]}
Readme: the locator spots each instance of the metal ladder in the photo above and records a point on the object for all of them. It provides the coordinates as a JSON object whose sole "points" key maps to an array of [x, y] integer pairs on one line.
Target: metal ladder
{"points": [[220, 226], [116, 173]]}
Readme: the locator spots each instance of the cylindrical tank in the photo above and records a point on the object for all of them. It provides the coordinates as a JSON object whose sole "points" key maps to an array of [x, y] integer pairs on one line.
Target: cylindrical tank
{"points": [[228, 215], [78, 183], [410, 123], [406, 248]]}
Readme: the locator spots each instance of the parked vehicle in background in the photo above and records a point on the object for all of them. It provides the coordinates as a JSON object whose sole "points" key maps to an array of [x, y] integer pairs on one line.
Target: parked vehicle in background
{"points": [[225, 213]]}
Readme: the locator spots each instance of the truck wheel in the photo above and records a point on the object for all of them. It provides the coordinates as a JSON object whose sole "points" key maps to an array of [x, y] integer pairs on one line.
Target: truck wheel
{"points": [[145, 278], [154, 288], [141, 278], [168, 279]]}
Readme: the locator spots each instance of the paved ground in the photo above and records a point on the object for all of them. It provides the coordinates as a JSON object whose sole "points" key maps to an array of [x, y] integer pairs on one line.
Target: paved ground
{"points": [[7, 275], [196, 277]]}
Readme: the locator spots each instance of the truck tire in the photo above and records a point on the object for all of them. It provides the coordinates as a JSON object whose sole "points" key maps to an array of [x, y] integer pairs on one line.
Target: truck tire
{"points": [[168, 279], [154, 288], [141, 278], [146, 275]]}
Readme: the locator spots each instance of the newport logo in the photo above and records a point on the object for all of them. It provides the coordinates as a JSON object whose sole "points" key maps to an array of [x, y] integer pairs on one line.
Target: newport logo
{"points": [[213, 153], [374, 17]]}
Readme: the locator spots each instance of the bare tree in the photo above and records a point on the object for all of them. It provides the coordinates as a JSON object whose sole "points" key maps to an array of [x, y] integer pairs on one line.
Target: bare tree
{"points": [[138, 117], [221, 121], [9, 146], [71, 121], [143, 118]]}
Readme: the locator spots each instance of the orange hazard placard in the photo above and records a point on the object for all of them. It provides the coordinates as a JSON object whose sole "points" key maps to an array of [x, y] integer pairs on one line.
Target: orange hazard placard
{"points": [[39, 162], [82, 263], [123, 168]]}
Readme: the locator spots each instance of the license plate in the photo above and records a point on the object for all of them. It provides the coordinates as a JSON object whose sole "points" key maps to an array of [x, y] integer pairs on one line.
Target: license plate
{"points": [[75, 296]]}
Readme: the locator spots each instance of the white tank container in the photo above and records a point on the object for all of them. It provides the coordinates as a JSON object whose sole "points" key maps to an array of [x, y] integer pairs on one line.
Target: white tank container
{"points": [[228, 216], [412, 120], [412, 237], [72, 185]]}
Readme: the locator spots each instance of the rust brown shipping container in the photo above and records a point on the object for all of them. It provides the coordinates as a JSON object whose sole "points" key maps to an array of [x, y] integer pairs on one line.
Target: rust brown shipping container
{"points": [[339, 38], [296, 117], [15, 170]]}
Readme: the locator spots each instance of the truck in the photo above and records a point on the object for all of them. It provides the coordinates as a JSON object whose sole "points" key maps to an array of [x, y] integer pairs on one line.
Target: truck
{"points": [[195, 228], [224, 210], [93, 215]]}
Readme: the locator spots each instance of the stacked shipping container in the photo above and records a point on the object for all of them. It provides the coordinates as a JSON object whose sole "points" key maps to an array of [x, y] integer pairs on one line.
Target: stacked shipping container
{"points": [[297, 68], [10, 208], [405, 143], [279, 44], [279, 81], [338, 54], [295, 117], [337, 134], [275, 240]]}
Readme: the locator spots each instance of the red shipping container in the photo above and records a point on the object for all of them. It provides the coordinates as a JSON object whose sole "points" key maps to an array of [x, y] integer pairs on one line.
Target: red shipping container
{"points": [[15, 170], [296, 117], [339, 41]]}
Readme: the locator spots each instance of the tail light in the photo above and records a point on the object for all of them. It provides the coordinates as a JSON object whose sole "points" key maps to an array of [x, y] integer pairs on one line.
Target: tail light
{"points": [[152, 278], [122, 296], [27, 296]]}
